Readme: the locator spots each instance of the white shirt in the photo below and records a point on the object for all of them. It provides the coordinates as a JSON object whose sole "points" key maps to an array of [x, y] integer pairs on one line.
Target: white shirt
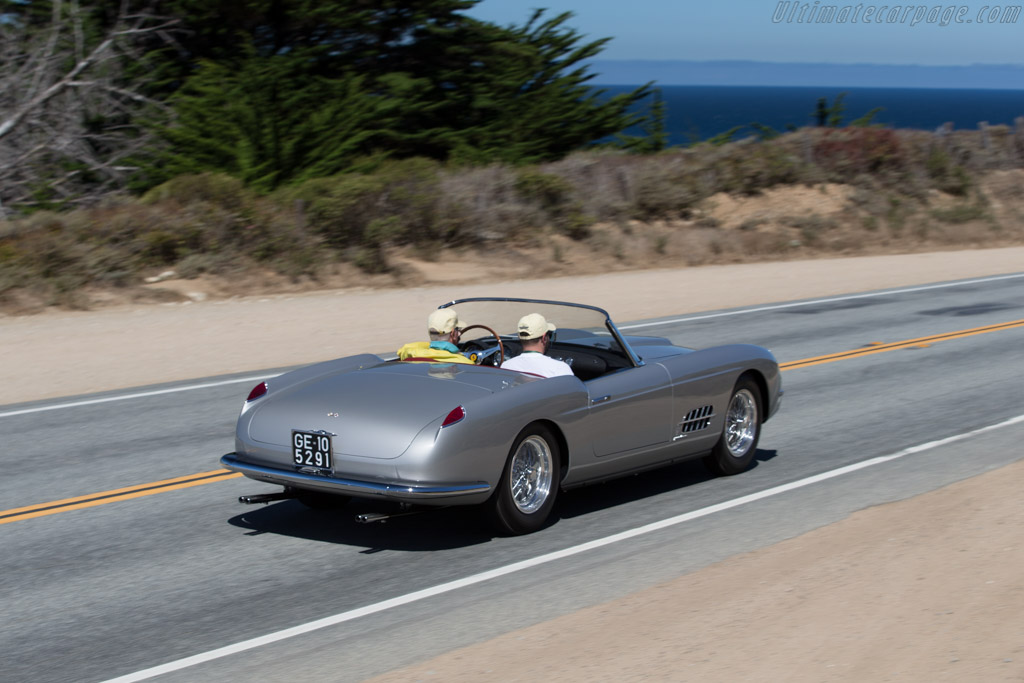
{"points": [[538, 364]]}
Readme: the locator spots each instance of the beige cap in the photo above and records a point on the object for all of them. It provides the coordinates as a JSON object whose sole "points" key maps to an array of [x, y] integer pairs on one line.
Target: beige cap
{"points": [[443, 321], [533, 326]]}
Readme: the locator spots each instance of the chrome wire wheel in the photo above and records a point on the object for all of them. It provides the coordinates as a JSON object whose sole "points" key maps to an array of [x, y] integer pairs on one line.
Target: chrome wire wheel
{"points": [[741, 429], [531, 474], [741, 423], [526, 493]]}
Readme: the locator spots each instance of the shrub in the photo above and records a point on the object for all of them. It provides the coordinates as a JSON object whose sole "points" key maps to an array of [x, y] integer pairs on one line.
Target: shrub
{"points": [[961, 213], [896, 214], [369, 259], [216, 188], [574, 223], [756, 168], [348, 209], [547, 190], [945, 175], [553, 195], [660, 196], [847, 152], [161, 247], [811, 226]]}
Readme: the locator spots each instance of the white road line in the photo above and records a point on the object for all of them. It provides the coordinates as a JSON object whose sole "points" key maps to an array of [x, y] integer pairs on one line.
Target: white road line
{"points": [[139, 394], [540, 560], [776, 307]]}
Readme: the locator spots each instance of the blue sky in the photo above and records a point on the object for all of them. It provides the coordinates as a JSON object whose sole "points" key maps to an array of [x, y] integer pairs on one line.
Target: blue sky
{"points": [[745, 30]]}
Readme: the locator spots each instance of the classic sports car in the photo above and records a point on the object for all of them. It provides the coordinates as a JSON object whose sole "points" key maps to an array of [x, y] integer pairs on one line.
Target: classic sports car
{"points": [[443, 433]]}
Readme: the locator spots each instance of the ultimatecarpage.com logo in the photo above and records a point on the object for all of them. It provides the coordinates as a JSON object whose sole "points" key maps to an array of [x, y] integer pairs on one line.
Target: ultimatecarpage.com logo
{"points": [[816, 13]]}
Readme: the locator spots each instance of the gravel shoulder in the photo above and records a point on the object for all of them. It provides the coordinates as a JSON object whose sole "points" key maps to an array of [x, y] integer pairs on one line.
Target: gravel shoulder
{"points": [[62, 353]]}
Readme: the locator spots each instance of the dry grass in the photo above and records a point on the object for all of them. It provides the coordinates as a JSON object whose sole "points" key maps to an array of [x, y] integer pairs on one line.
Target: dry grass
{"points": [[808, 193]]}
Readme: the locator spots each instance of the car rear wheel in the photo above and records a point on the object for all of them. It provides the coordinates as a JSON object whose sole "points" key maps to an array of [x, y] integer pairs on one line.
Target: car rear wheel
{"points": [[315, 500], [529, 484], [735, 449]]}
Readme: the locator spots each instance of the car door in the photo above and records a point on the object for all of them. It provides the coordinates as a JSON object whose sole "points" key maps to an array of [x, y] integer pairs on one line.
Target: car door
{"points": [[630, 409]]}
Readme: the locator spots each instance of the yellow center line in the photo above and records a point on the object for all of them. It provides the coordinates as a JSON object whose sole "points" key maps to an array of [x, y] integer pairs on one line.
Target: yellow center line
{"points": [[200, 478], [104, 497], [921, 342]]}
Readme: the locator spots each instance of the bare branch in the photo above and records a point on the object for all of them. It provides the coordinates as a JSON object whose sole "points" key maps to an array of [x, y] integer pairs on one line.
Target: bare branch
{"points": [[128, 94], [51, 46], [71, 128], [8, 125]]}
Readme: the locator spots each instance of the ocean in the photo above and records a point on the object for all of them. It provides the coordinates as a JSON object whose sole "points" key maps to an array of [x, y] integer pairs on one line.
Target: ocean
{"points": [[699, 112]]}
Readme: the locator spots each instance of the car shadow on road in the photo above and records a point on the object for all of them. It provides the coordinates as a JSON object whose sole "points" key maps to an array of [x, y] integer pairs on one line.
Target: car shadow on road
{"points": [[428, 529], [647, 484], [431, 529]]}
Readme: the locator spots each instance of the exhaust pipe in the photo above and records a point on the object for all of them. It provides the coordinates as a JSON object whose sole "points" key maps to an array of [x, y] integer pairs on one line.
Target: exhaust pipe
{"points": [[266, 497]]}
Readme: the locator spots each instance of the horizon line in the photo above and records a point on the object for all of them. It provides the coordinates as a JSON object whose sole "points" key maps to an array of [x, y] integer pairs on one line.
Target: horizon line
{"points": [[1001, 65]]}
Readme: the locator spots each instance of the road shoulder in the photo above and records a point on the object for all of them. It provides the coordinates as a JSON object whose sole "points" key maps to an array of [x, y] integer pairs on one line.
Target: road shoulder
{"points": [[923, 589], [71, 353]]}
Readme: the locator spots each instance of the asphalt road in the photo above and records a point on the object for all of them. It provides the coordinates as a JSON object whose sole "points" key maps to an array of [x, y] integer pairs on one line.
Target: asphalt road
{"points": [[94, 593]]}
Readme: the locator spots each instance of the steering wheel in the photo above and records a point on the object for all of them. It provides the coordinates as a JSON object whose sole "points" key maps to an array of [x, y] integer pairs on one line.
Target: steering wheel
{"points": [[501, 347]]}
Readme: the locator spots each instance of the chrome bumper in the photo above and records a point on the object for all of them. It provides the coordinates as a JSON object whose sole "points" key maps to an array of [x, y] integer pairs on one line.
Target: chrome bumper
{"points": [[360, 489]]}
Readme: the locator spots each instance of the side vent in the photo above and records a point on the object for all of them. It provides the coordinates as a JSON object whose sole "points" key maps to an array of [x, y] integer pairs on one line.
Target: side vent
{"points": [[696, 420]]}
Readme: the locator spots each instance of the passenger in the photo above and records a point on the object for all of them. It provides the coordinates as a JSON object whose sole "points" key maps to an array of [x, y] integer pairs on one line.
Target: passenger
{"points": [[535, 334], [444, 329]]}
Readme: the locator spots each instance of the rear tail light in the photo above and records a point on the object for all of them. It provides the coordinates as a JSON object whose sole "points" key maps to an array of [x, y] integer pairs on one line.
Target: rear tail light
{"points": [[456, 415], [257, 391]]}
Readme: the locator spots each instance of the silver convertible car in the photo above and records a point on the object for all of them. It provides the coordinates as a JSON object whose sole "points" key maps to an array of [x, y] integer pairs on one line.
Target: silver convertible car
{"points": [[442, 433]]}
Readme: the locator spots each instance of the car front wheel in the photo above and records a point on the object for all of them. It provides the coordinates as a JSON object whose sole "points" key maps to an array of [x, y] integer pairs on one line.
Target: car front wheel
{"points": [[529, 483], [735, 449]]}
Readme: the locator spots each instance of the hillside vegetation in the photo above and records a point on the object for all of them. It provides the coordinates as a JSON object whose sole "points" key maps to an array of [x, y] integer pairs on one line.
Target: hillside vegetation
{"points": [[812, 192], [185, 148]]}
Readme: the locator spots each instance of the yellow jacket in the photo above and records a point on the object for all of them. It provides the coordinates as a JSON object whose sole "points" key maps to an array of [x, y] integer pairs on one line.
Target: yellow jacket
{"points": [[422, 350]]}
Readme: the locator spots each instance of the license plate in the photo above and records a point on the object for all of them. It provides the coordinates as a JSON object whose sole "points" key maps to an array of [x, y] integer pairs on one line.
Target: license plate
{"points": [[310, 449]]}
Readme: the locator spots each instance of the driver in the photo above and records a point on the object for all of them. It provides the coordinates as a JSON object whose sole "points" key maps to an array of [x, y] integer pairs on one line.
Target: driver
{"points": [[535, 334], [444, 329]]}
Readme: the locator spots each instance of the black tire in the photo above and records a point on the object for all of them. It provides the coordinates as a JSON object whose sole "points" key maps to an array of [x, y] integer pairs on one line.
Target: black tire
{"points": [[736, 448], [315, 500], [529, 483]]}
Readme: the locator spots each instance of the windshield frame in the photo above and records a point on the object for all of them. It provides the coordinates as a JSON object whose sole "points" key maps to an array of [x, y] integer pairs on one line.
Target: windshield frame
{"points": [[631, 355]]}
